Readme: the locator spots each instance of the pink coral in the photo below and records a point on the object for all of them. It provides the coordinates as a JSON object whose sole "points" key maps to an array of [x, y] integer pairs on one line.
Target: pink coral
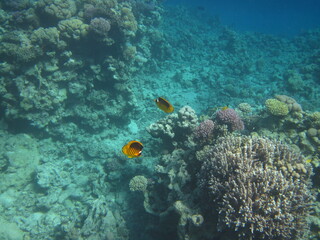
{"points": [[204, 130], [231, 118]]}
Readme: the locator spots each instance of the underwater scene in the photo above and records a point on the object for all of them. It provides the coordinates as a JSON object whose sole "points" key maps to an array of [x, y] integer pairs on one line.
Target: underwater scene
{"points": [[159, 120]]}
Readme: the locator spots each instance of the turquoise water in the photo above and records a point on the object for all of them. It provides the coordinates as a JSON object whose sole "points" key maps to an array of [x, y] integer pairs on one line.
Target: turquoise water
{"points": [[234, 160]]}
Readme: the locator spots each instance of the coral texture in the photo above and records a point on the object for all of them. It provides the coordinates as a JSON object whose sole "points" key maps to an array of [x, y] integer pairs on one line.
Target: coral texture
{"points": [[100, 26], [177, 126], [138, 183], [231, 118], [204, 131], [276, 107], [260, 188]]}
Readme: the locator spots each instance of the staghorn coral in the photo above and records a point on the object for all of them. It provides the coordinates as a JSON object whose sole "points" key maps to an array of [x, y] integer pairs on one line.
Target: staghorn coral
{"points": [[260, 188], [231, 118]]}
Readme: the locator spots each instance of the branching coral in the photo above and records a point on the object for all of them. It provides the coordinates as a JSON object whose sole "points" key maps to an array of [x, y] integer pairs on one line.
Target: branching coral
{"points": [[260, 188]]}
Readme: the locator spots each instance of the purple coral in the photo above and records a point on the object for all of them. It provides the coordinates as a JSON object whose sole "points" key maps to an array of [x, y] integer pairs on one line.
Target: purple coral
{"points": [[100, 26], [204, 130], [231, 118]]}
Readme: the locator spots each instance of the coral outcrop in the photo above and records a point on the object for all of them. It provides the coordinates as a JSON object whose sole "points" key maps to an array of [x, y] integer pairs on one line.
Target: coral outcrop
{"points": [[175, 128], [276, 107], [231, 118], [260, 188]]}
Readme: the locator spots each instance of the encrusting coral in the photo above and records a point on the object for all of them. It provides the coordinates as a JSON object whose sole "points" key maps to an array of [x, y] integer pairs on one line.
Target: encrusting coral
{"points": [[260, 188]]}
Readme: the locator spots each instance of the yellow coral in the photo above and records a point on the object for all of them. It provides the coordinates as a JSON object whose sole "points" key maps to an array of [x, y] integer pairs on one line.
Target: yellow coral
{"points": [[73, 28], [315, 117], [276, 107]]}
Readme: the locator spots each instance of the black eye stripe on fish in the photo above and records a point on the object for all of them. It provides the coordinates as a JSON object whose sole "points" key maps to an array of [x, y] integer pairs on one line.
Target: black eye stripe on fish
{"points": [[164, 105], [136, 146], [132, 149], [163, 102]]}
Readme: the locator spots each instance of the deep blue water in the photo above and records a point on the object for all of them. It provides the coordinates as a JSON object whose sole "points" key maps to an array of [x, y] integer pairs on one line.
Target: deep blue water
{"points": [[281, 17]]}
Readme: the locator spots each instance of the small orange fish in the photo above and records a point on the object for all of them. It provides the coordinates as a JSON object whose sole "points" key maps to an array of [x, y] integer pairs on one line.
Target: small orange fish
{"points": [[164, 105], [132, 149]]}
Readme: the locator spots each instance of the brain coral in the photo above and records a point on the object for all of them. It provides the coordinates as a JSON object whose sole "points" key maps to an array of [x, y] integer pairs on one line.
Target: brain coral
{"points": [[260, 188], [276, 107]]}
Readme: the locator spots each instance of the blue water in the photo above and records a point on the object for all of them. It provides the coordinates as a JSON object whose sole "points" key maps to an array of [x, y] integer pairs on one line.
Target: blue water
{"points": [[284, 17]]}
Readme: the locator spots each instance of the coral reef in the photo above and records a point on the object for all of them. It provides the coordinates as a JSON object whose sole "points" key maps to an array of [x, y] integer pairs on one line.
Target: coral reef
{"points": [[138, 183], [72, 29], [204, 131], [19, 159], [260, 188], [100, 26], [176, 128], [276, 107], [77, 79], [231, 118], [56, 70]]}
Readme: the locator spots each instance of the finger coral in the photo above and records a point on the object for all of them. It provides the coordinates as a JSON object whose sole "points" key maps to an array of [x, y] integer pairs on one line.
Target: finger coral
{"points": [[260, 188]]}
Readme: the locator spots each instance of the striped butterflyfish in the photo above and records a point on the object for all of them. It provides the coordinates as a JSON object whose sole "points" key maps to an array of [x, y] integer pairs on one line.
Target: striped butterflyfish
{"points": [[164, 105], [132, 149]]}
